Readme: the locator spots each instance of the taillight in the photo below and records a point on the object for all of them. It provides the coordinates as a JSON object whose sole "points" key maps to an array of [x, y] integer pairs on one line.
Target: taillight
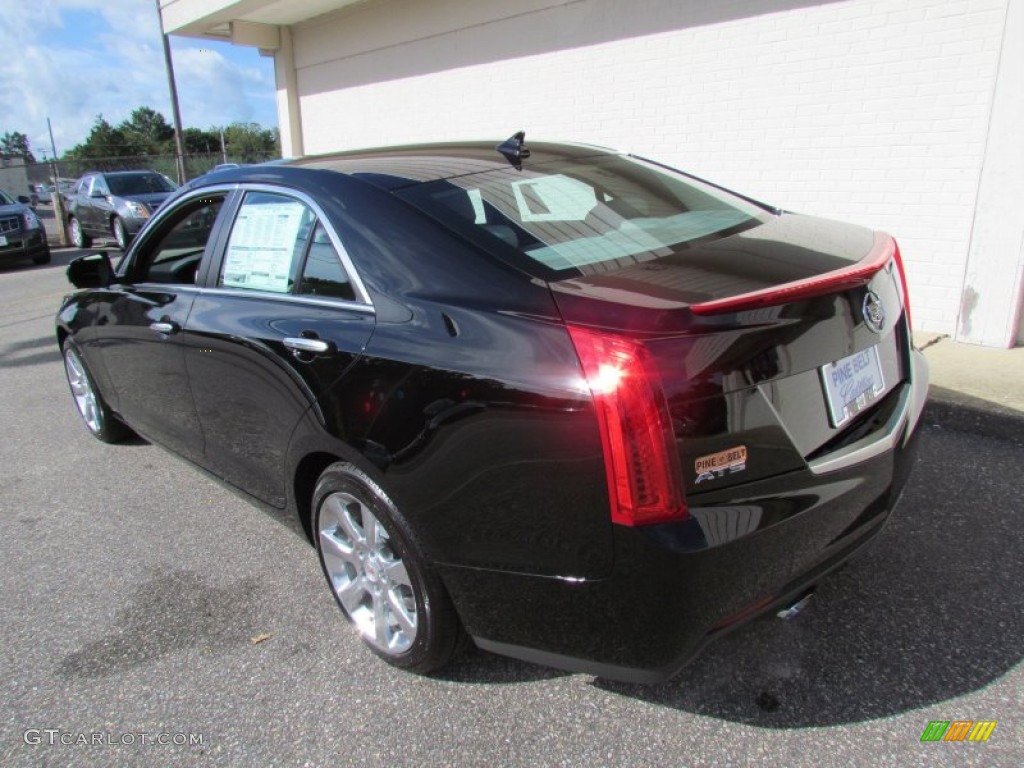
{"points": [[640, 456], [903, 282], [829, 282]]}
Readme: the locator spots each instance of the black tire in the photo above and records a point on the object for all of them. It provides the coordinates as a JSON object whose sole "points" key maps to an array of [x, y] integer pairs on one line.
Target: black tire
{"points": [[438, 635], [97, 416], [78, 237], [41, 259], [117, 230]]}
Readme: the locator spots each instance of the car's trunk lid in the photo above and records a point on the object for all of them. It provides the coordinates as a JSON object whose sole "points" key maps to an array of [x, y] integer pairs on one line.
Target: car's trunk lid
{"points": [[759, 340]]}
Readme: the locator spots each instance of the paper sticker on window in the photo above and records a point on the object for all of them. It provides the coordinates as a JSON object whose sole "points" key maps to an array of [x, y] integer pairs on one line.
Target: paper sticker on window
{"points": [[259, 255]]}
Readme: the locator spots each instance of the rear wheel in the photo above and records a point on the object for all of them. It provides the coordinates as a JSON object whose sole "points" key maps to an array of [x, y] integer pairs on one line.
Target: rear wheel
{"points": [[43, 258], [98, 418], [378, 574], [78, 237]]}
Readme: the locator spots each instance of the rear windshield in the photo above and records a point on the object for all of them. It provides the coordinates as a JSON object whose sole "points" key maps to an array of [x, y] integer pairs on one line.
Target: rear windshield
{"points": [[584, 216], [139, 184]]}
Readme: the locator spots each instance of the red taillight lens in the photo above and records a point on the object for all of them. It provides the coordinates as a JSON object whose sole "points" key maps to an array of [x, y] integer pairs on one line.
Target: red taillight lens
{"points": [[829, 282], [903, 282], [640, 456]]}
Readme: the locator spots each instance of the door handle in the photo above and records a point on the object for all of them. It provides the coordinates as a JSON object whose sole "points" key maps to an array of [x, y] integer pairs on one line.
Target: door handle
{"points": [[165, 327], [313, 346]]}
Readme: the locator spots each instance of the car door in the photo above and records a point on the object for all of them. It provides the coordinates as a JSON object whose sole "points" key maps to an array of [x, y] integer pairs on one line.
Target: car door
{"points": [[282, 318], [142, 341], [83, 204], [98, 207]]}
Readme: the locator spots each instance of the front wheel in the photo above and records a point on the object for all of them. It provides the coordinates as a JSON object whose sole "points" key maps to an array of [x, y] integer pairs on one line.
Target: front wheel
{"points": [[378, 574], [78, 237], [98, 418], [117, 227]]}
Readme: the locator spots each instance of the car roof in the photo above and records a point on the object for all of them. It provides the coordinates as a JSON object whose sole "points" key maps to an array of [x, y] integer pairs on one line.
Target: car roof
{"points": [[395, 167]]}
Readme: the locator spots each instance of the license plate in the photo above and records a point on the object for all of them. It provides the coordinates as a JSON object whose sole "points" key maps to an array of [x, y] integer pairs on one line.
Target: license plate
{"points": [[3, 241], [852, 384]]}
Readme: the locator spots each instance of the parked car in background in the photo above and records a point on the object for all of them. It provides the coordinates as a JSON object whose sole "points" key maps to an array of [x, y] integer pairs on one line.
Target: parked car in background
{"points": [[22, 235], [582, 408], [44, 193], [114, 204]]}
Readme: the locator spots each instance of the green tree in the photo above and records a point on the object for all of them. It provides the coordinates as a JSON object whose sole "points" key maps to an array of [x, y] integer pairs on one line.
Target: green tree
{"points": [[250, 141], [147, 131], [104, 140], [15, 144], [198, 141]]}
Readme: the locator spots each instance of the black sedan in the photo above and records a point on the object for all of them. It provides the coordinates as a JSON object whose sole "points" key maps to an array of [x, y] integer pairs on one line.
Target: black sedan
{"points": [[576, 406]]}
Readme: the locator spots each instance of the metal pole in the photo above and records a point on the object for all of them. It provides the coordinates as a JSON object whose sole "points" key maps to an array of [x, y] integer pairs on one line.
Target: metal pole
{"points": [[223, 151], [58, 201], [179, 145]]}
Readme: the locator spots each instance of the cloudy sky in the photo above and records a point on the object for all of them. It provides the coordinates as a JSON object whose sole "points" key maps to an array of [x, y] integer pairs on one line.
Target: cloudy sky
{"points": [[71, 60]]}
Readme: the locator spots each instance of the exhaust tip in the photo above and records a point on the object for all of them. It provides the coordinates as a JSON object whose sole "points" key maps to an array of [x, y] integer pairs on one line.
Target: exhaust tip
{"points": [[794, 608]]}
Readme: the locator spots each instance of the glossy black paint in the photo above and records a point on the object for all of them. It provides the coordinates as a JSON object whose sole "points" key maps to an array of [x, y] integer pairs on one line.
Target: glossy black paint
{"points": [[458, 390]]}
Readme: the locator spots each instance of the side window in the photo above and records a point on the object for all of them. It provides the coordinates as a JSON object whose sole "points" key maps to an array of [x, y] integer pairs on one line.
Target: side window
{"points": [[83, 186], [267, 243], [322, 274], [176, 253], [278, 245], [99, 186]]}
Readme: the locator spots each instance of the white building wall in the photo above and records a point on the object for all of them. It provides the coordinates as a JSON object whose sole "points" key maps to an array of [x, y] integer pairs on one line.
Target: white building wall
{"points": [[871, 111]]}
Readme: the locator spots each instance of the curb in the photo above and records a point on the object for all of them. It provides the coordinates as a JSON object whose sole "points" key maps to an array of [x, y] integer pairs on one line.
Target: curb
{"points": [[950, 409]]}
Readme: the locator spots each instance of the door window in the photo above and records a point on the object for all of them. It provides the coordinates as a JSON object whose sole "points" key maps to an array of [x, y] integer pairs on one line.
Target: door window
{"points": [[178, 250]]}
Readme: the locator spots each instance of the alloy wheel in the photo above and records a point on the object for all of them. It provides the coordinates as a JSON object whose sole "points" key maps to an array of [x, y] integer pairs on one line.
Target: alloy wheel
{"points": [[367, 574], [81, 389], [76, 234]]}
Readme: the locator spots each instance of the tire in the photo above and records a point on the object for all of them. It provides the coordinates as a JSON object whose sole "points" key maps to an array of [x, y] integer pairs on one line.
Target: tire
{"points": [[98, 418], [41, 259], [379, 576], [78, 237], [117, 229]]}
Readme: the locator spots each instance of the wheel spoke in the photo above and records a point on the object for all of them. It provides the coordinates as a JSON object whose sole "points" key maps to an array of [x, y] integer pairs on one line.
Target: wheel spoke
{"points": [[332, 546], [380, 620], [371, 526], [397, 573], [351, 594], [397, 604]]}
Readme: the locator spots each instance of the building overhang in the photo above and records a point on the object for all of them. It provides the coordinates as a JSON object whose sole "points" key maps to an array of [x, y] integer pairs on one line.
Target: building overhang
{"points": [[242, 22]]}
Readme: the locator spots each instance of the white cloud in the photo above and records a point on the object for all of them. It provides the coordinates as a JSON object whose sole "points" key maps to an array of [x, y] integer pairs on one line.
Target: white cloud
{"points": [[113, 66]]}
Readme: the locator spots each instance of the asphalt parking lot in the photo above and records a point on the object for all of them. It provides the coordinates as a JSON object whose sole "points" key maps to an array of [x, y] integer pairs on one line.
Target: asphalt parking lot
{"points": [[132, 588]]}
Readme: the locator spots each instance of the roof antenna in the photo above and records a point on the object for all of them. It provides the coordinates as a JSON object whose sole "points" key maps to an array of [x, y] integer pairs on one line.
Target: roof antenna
{"points": [[513, 150]]}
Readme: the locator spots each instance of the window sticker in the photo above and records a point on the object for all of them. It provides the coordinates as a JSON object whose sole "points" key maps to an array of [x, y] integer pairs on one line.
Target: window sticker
{"points": [[260, 251]]}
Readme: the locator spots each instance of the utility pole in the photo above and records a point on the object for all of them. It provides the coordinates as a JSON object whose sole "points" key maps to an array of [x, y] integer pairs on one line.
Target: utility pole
{"points": [[223, 150], [58, 201], [179, 144]]}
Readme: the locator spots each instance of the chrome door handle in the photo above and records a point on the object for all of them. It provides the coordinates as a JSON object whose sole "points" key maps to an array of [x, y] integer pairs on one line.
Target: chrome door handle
{"points": [[315, 346], [162, 327]]}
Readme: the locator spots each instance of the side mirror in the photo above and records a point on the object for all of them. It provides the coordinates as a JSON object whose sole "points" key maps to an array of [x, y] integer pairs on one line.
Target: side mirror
{"points": [[92, 271]]}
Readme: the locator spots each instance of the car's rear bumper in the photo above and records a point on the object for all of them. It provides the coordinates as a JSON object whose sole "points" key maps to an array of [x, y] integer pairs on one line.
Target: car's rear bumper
{"points": [[676, 587], [24, 245]]}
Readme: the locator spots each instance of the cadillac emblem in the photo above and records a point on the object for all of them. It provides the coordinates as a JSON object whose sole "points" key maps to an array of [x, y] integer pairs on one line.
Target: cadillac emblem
{"points": [[874, 312]]}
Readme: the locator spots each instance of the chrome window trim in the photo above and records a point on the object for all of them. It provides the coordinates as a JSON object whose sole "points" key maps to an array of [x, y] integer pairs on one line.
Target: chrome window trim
{"points": [[362, 295], [291, 298], [242, 293]]}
